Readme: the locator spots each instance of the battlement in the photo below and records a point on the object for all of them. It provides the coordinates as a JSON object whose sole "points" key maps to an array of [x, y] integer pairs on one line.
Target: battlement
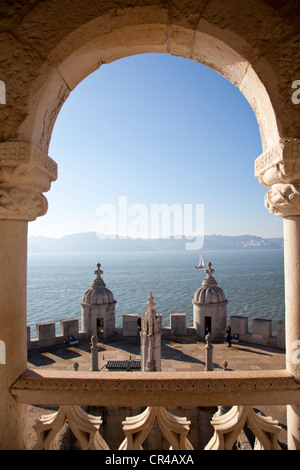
{"points": [[46, 334], [69, 328]]}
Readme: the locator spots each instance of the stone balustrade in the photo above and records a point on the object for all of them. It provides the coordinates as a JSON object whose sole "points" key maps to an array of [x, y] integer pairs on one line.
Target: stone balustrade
{"points": [[140, 410], [46, 333], [162, 429], [262, 331], [150, 396]]}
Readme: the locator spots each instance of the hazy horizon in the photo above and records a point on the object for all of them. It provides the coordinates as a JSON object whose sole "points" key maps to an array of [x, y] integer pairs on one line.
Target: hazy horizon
{"points": [[144, 238]]}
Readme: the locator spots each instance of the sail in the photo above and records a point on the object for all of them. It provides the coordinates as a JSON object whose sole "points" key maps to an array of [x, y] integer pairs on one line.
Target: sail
{"points": [[201, 263]]}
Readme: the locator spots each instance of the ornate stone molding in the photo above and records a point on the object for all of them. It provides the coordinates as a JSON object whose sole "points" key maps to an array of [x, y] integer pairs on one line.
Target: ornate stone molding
{"points": [[280, 164], [163, 385], [174, 428], [84, 426], [279, 169], [25, 173], [227, 428], [21, 204], [283, 200], [159, 389]]}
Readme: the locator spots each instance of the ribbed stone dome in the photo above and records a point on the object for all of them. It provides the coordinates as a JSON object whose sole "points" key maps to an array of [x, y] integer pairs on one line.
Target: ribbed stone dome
{"points": [[209, 293], [98, 294]]}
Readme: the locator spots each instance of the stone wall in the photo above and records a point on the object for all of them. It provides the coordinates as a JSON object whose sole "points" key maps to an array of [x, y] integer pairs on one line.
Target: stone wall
{"points": [[262, 331], [46, 334]]}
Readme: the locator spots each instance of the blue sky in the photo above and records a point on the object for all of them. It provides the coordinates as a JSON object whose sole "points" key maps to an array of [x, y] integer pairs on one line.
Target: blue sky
{"points": [[157, 129]]}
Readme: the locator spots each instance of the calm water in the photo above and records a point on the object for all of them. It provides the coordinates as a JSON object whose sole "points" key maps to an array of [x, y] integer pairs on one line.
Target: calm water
{"points": [[253, 283]]}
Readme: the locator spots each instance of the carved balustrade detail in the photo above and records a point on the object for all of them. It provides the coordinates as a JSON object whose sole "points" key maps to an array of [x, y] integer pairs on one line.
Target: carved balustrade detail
{"points": [[25, 173], [86, 427], [229, 425], [83, 425], [174, 428], [278, 169]]}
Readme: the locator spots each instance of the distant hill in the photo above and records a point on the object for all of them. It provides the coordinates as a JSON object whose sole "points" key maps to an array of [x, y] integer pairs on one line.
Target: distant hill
{"points": [[89, 242]]}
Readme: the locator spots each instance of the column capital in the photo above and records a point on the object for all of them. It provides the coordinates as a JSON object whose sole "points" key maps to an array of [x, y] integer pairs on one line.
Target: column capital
{"points": [[25, 173], [278, 168], [283, 200]]}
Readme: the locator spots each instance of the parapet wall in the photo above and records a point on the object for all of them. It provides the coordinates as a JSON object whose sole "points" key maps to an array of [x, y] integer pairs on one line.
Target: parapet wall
{"points": [[262, 331], [46, 334]]}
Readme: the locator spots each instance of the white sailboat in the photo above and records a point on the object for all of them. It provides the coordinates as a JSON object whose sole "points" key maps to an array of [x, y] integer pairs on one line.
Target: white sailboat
{"points": [[201, 264]]}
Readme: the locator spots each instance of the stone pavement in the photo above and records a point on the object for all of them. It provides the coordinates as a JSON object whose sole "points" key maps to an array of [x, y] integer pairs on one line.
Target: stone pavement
{"points": [[180, 354]]}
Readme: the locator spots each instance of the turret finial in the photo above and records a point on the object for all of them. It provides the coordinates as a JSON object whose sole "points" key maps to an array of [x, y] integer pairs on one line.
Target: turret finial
{"points": [[98, 282], [209, 280], [99, 271], [209, 271]]}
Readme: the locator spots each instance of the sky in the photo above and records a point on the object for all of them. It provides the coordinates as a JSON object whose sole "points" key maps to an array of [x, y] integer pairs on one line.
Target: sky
{"points": [[152, 130]]}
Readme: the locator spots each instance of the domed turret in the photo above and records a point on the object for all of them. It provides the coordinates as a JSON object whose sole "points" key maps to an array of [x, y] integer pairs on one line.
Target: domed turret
{"points": [[209, 292], [209, 308], [98, 294], [98, 308]]}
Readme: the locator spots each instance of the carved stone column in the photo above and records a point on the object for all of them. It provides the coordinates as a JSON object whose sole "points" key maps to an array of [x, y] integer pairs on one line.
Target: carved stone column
{"points": [[25, 172], [150, 336], [279, 170]]}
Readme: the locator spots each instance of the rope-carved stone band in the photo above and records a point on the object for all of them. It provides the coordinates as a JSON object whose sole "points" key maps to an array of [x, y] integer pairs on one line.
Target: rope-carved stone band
{"points": [[114, 389]]}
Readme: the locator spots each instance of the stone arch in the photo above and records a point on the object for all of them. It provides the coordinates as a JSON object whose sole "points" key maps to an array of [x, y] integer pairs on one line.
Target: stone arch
{"points": [[204, 49], [211, 35]]}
